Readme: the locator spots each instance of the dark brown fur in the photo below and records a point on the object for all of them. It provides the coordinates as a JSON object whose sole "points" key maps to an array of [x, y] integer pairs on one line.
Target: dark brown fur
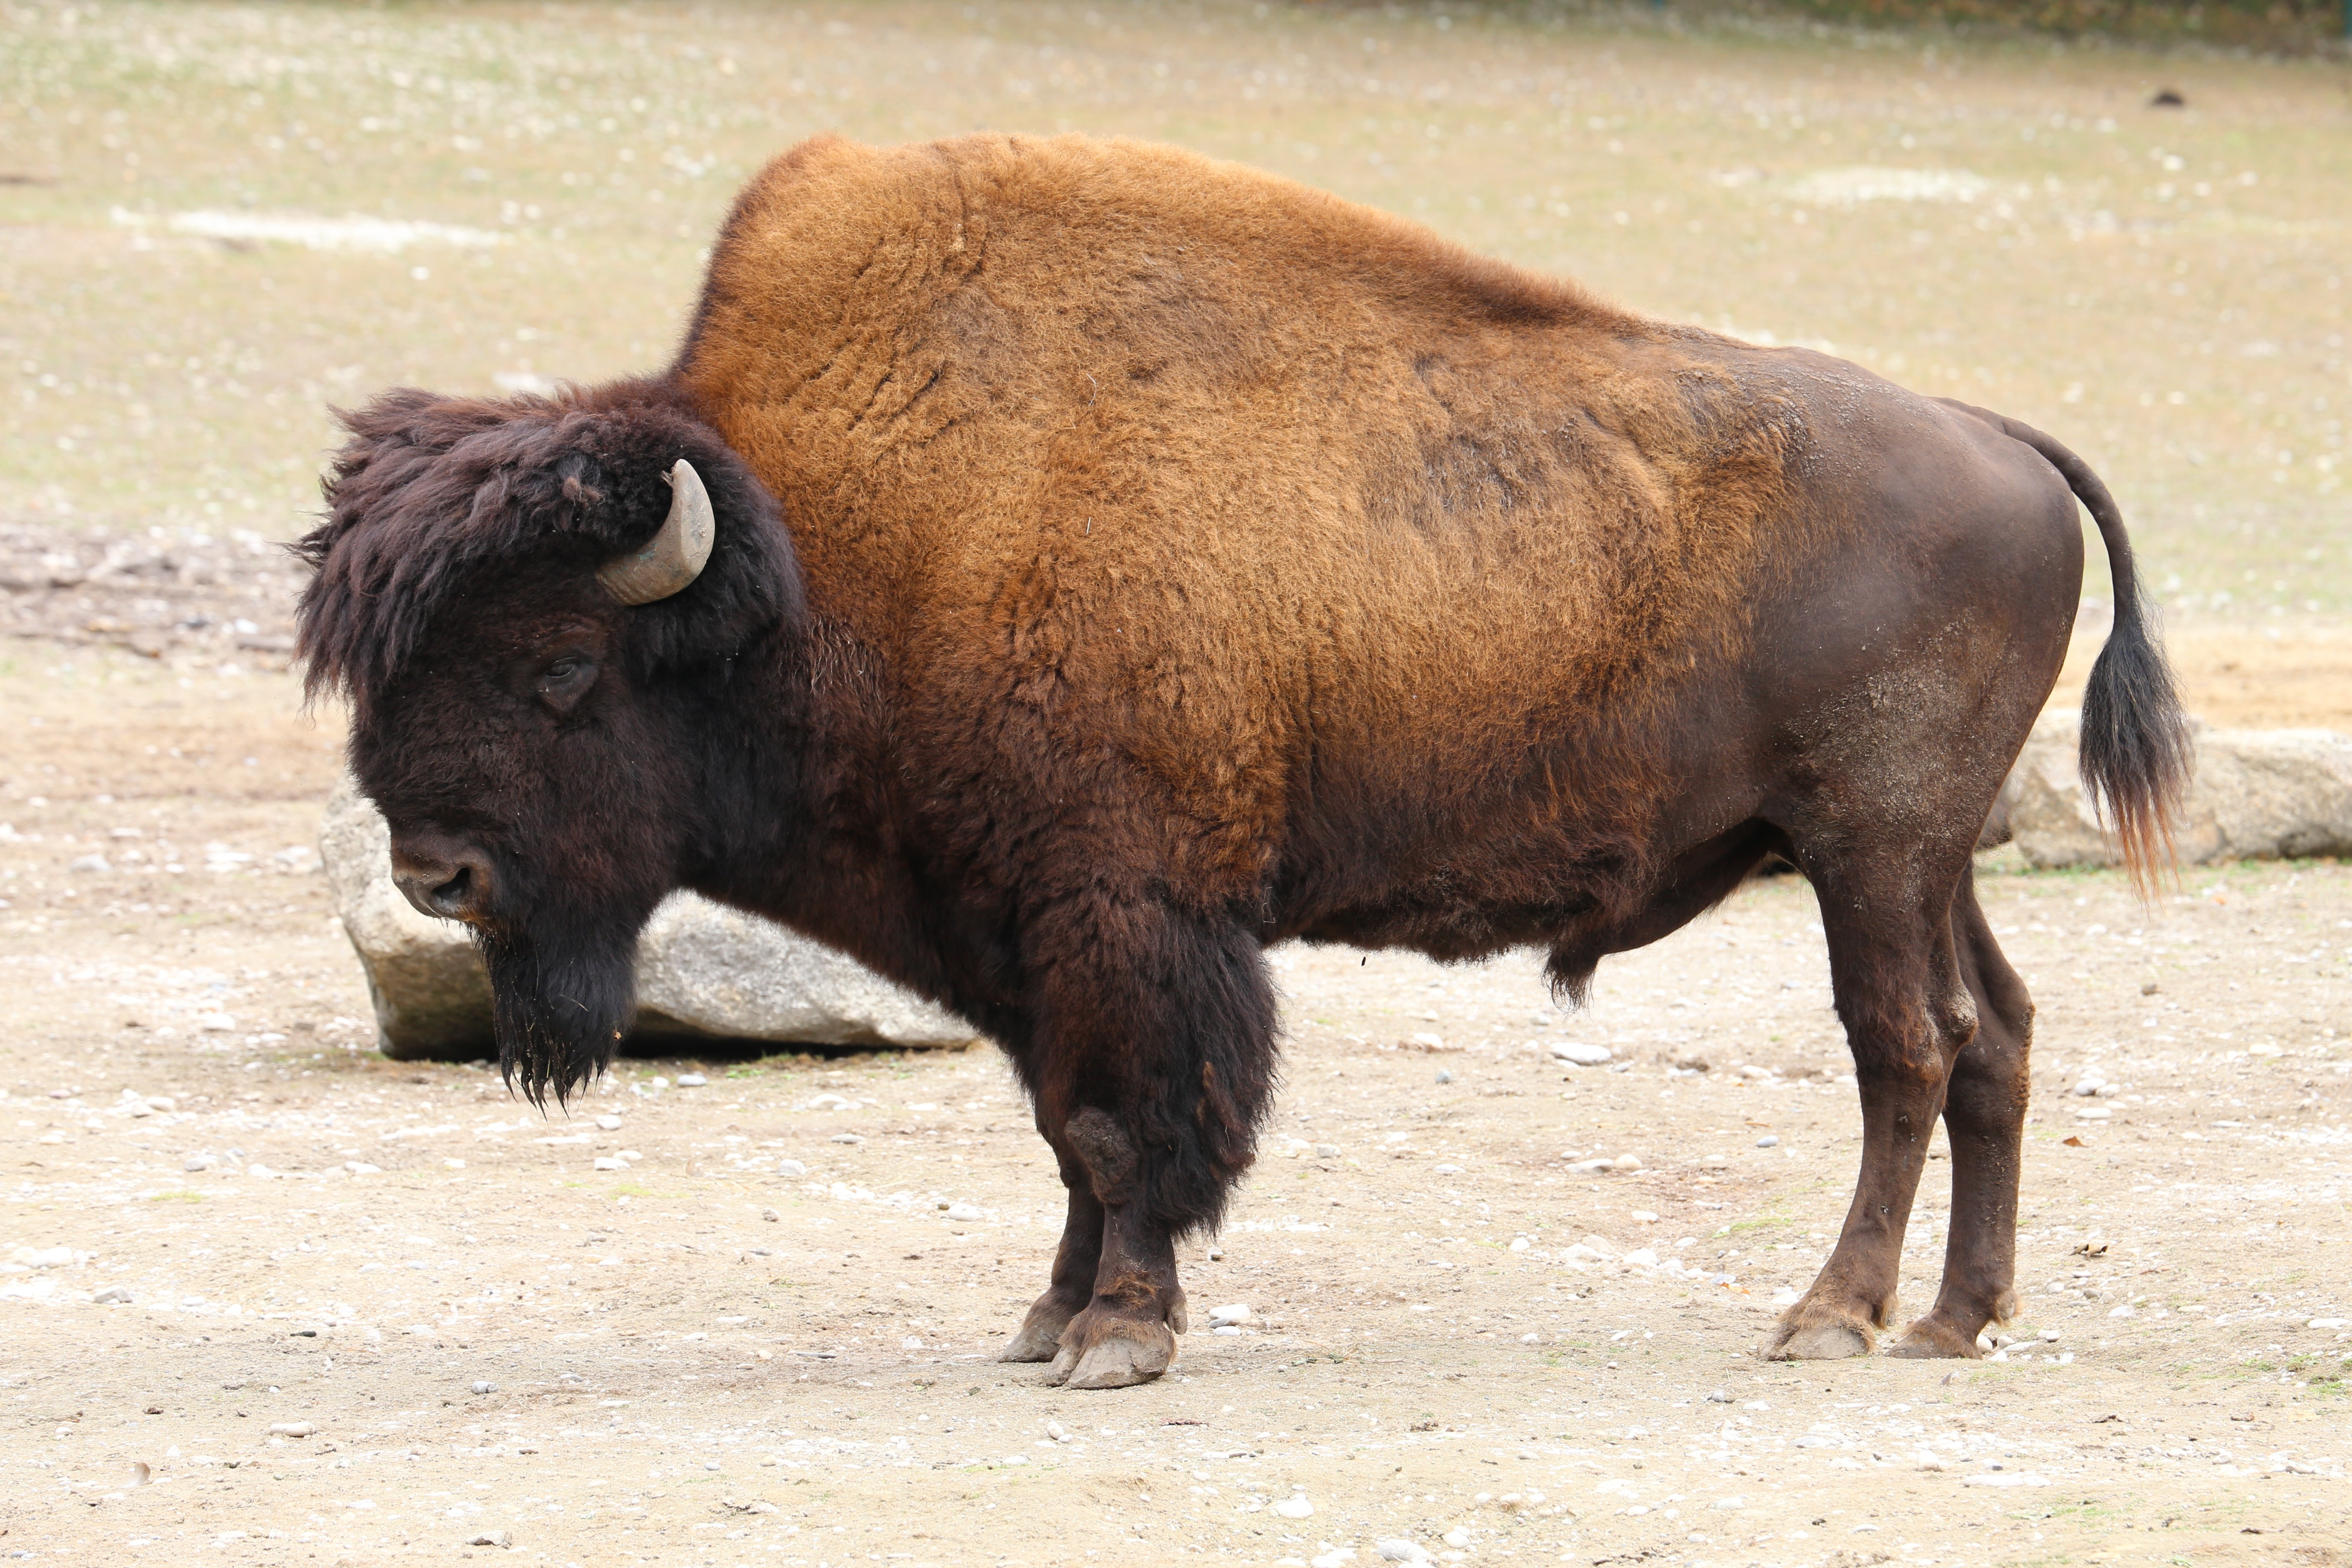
{"points": [[1172, 561]]}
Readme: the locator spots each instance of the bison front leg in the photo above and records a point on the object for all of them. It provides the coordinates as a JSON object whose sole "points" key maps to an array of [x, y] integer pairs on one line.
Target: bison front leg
{"points": [[1151, 1071], [1075, 1263], [1126, 1332]]}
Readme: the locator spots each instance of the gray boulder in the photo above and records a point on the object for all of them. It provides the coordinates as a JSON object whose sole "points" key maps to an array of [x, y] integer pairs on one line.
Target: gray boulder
{"points": [[2258, 794], [705, 972]]}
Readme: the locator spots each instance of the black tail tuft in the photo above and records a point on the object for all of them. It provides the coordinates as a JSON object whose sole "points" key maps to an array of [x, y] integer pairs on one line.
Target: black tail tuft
{"points": [[2136, 756]]}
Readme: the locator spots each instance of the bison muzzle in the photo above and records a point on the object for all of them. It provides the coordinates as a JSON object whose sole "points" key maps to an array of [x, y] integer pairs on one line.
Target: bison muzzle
{"points": [[1054, 570]]}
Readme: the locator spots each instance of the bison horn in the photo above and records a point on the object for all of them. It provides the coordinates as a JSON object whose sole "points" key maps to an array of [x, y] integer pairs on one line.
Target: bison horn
{"points": [[674, 556]]}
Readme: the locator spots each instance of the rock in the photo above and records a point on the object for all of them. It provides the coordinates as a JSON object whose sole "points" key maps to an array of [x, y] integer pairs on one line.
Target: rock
{"points": [[691, 1081], [771, 1215], [704, 971], [1445, 1075], [1237, 1315], [490, 1538], [2257, 794], [114, 1296], [292, 1428], [1295, 1506], [198, 1162], [965, 1212], [1057, 1432], [847, 1138], [609, 1123], [607, 1162], [1767, 1141], [1402, 1551], [790, 1168], [1576, 1053], [94, 863], [1718, 1397], [486, 1388], [2089, 1087]]}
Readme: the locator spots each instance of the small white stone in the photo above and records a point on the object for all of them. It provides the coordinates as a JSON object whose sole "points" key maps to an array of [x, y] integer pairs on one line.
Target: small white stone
{"points": [[2315, 1323], [1232, 1316], [1445, 1075], [1769, 1141], [114, 1296], [790, 1168], [965, 1212], [847, 1138], [1530, 1339], [1447, 1170], [1520, 1244], [691, 1081], [1626, 1162], [89, 863], [292, 1428], [610, 1123], [1784, 1296], [1326, 1151], [490, 1538], [1295, 1507], [198, 1162], [1579, 1053], [1056, 1431], [1402, 1551], [607, 1162], [1718, 1397], [1458, 1537], [486, 1388], [2088, 1087], [1641, 1257], [771, 1215]]}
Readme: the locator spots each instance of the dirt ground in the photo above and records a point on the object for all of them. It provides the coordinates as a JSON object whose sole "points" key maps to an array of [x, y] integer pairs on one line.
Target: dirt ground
{"points": [[767, 1339], [464, 1330]]}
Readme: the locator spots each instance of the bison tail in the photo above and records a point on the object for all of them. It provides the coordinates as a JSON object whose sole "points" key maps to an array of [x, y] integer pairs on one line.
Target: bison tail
{"points": [[2135, 753]]}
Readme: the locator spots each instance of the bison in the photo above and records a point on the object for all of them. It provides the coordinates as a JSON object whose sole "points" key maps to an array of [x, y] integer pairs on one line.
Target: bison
{"points": [[1055, 571]]}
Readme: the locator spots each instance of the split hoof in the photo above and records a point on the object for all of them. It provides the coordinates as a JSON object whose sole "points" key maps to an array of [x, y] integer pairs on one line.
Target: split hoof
{"points": [[1818, 1341], [1929, 1339], [1118, 1361], [1034, 1341], [1040, 1336]]}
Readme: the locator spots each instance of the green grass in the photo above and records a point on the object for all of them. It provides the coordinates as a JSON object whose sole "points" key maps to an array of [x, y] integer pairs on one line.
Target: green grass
{"points": [[2181, 327]]}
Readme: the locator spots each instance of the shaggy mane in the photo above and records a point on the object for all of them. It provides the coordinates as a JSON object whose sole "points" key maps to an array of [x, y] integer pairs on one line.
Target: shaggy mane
{"points": [[430, 492]]}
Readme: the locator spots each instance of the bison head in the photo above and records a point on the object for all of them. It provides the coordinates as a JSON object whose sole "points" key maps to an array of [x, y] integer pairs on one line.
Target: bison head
{"points": [[534, 607]]}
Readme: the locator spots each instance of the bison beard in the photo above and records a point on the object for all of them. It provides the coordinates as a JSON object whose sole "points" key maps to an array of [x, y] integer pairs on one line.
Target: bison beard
{"points": [[562, 992]]}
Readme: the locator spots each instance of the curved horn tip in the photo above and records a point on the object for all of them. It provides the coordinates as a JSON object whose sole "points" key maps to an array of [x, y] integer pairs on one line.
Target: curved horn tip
{"points": [[675, 555]]}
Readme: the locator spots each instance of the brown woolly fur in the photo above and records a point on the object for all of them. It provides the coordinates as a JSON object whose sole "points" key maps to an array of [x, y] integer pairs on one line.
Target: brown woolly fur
{"points": [[1126, 561]]}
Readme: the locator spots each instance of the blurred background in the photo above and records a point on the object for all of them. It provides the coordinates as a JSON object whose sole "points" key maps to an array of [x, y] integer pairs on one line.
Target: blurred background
{"points": [[2125, 224]]}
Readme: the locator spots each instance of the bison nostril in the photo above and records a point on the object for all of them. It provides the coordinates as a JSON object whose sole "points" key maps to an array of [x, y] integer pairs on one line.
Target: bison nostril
{"points": [[450, 897]]}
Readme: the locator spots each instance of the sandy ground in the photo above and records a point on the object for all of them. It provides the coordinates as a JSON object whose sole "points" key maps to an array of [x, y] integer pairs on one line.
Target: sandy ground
{"points": [[712, 1356]]}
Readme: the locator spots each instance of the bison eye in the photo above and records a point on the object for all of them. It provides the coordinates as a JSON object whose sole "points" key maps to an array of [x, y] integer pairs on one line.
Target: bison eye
{"points": [[566, 679]]}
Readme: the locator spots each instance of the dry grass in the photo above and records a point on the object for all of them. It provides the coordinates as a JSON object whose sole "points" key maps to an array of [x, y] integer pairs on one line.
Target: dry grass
{"points": [[2163, 289]]}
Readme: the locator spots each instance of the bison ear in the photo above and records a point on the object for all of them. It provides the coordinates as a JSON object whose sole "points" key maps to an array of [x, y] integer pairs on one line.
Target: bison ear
{"points": [[674, 556]]}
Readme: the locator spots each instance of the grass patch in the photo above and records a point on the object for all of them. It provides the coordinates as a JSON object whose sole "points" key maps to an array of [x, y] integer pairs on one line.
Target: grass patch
{"points": [[179, 1196]]}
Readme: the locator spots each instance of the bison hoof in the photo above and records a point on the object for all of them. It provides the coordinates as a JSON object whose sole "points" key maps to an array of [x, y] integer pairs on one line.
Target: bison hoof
{"points": [[1930, 1339], [1040, 1336], [1818, 1341], [1112, 1352]]}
